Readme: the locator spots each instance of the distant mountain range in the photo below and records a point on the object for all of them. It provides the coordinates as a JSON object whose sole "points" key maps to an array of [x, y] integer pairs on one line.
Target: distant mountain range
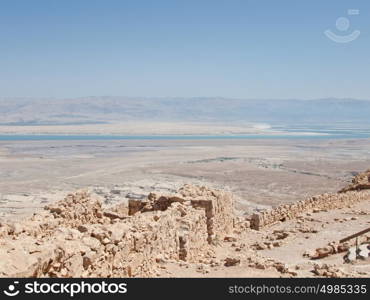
{"points": [[24, 111]]}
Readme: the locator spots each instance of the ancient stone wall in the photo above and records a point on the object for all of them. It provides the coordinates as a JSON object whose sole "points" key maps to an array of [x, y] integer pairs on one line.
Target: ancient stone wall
{"points": [[217, 205], [76, 237], [321, 202]]}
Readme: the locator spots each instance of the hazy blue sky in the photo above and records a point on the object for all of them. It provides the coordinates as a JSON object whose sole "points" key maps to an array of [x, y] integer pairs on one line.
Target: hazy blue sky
{"points": [[230, 48]]}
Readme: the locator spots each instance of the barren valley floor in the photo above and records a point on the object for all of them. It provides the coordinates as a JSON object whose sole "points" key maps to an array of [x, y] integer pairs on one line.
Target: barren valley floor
{"points": [[260, 173]]}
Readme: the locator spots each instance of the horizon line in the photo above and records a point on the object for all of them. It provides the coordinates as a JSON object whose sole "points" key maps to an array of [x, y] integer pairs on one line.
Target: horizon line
{"points": [[177, 97]]}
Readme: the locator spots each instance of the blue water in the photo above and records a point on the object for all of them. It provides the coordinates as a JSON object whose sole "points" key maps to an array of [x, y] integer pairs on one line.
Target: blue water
{"points": [[176, 137]]}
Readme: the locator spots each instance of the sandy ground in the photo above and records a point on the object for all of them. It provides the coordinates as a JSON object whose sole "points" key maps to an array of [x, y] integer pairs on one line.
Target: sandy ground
{"points": [[261, 173]]}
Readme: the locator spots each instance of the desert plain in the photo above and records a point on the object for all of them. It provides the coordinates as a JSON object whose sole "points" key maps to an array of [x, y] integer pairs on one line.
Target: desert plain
{"points": [[261, 174]]}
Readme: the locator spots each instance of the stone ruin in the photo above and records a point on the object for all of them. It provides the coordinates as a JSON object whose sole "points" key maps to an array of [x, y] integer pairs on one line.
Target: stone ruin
{"points": [[77, 237], [217, 205], [356, 192]]}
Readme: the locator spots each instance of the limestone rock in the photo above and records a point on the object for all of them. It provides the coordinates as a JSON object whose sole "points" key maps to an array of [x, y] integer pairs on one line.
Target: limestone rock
{"points": [[231, 262], [359, 182]]}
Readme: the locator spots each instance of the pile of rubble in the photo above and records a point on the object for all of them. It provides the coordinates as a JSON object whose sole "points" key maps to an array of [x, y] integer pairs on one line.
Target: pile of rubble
{"points": [[329, 271], [353, 251], [359, 182], [77, 237]]}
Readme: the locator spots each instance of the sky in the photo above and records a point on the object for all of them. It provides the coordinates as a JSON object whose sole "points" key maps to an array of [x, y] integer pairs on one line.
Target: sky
{"points": [[255, 49]]}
